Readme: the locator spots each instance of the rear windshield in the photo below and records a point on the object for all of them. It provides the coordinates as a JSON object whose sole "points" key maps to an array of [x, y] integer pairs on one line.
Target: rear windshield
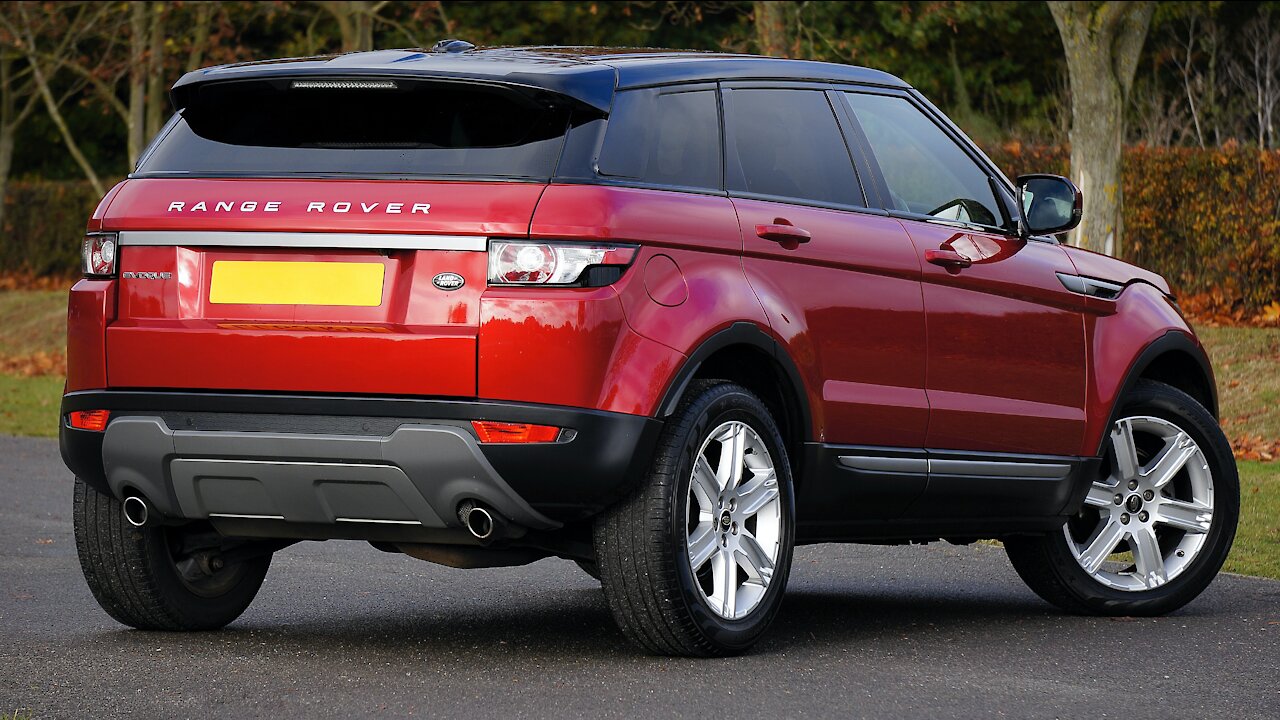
{"points": [[365, 127]]}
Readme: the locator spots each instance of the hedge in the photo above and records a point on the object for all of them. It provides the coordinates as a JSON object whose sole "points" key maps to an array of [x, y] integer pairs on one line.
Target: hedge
{"points": [[1208, 220], [43, 224]]}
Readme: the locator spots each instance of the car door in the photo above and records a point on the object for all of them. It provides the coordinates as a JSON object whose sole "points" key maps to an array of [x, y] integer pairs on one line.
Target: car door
{"points": [[1006, 346], [840, 286]]}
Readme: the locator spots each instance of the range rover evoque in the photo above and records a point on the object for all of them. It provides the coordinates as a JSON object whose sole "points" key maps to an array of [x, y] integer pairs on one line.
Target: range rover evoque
{"points": [[663, 314]]}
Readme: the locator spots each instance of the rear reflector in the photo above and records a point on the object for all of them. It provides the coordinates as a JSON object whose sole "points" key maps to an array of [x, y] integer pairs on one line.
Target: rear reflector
{"points": [[504, 432], [93, 420]]}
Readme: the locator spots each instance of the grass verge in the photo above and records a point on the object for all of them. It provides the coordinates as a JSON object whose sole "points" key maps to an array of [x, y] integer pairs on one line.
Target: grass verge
{"points": [[29, 405], [1257, 548]]}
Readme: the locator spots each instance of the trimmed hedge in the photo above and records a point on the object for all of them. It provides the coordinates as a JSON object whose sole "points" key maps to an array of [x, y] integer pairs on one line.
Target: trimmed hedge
{"points": [[1208, 220], [44, 223]]}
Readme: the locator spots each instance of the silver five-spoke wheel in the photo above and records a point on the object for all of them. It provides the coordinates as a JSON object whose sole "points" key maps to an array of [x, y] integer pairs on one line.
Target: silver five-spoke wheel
{"points": [[1153, 512], [734, 520]]}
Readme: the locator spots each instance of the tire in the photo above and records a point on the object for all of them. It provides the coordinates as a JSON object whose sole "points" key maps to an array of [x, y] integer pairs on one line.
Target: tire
{"points": [[1192, 519], [134, 577], [660, 599]]}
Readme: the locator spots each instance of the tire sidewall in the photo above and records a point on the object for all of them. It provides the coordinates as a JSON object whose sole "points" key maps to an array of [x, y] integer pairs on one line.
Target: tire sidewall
{"points": [[1168, 404], [720, 405]]}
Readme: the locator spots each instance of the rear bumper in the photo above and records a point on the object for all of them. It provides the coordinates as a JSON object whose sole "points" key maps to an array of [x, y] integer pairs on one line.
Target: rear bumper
{"points": [[366, 467]]}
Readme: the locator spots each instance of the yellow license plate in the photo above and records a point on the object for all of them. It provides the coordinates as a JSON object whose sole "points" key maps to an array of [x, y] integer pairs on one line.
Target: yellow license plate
{"points": [[245, 282]]}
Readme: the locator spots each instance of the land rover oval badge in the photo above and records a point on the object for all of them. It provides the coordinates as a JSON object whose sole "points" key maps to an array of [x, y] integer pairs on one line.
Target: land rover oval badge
{"points": [[448, 281]]}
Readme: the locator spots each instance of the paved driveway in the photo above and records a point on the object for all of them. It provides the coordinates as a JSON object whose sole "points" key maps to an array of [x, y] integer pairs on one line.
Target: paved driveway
{"points": [[342, 630]]}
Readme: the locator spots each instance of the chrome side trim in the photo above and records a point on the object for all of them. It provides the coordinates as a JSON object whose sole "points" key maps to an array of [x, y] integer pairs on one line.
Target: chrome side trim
{"points": [[990, 468], [915, 466], [1092, 287], [246, 517], [369, 241], [378, 522]]}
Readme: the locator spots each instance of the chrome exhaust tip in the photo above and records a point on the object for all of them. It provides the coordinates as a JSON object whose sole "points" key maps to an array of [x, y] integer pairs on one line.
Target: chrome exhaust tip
{"points": [[137, 511], [478, 520]]}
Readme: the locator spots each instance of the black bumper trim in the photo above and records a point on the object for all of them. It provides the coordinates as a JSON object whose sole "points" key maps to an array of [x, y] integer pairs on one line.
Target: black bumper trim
{"points": [[567, 481]]}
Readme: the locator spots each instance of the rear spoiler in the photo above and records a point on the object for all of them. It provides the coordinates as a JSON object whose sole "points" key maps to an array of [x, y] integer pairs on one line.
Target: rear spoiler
{"points": [[588, 85]]}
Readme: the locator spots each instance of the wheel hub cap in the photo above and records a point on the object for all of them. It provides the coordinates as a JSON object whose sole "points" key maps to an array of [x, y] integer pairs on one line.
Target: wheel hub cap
{"points": [[733, 520]]}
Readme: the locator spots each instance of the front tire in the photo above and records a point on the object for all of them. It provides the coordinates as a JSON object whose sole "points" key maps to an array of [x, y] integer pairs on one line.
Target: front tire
{"points": [[696, 561], [1156, 527], [138, 577]]}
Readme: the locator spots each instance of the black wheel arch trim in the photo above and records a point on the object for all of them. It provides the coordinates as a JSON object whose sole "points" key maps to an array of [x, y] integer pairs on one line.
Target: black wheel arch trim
{"points": [[742, 333], [1173, 341]]}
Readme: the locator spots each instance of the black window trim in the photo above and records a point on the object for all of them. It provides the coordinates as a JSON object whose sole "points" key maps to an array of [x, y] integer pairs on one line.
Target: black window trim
{"points": [[825, 87], [956, 136], [599, 178]]}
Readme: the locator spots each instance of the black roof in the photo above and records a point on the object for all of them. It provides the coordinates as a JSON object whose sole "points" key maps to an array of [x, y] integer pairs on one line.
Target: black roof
{"points": [[588, 74]]}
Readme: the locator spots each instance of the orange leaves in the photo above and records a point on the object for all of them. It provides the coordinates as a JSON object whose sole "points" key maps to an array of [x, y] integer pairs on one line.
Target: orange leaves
{"points": [[35, 364], [1254, 447]]}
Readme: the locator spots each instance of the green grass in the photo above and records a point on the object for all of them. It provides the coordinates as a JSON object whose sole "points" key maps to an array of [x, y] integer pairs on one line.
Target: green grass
{"points": [[1246, 362], [33, 321], [18, 715], [1257, 548], [29, 406]]}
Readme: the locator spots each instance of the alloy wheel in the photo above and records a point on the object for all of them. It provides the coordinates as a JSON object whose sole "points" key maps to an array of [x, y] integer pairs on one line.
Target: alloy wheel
{"points": [[1147, 521], [733, 520]]}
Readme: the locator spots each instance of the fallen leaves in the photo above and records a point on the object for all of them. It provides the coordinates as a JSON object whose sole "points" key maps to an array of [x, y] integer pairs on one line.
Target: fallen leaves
{"points": [[34, 365], [1221, 309], [1255, 447]]}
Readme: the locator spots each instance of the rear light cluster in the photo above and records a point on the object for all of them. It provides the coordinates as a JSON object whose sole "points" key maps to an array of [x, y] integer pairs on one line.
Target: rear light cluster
{"points": [[98, 255], [561, 264], [491, 431]]}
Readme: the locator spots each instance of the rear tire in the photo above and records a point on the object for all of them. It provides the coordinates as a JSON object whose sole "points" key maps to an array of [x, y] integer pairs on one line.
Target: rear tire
{"points": [[698, 567], [1156, 526], [134, 576]]}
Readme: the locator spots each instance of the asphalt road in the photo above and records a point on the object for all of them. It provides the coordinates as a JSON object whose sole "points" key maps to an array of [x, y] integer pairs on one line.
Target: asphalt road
{"points": [[342, 630]]}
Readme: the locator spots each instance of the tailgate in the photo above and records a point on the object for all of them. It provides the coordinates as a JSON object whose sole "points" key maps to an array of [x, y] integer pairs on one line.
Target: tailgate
{"points": [[305, 285]]}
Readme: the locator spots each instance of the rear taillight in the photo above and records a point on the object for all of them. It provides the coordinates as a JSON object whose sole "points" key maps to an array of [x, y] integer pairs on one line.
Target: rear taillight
{"points": [[491, 431], [98, 255], [562, 264], [92, 420]]}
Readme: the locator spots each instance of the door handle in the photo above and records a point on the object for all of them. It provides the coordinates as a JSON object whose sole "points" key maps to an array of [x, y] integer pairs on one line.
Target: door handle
{"points": [[783, 232], [946, 258]]}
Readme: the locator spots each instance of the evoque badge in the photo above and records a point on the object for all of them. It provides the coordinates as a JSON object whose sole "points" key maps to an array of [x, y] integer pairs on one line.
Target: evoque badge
{"points": [[448, 281]]}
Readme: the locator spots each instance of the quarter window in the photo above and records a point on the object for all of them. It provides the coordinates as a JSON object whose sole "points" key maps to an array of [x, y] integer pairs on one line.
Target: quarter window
{"points": [[786, 143], [664, 136], [926, 171]]}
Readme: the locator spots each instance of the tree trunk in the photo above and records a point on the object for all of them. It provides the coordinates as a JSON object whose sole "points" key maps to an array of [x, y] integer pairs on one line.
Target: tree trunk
{"points": [[771, 27], [51, 105], [200, 35], [136, 119], [1102, 42], [355, 22], [157, 98]]}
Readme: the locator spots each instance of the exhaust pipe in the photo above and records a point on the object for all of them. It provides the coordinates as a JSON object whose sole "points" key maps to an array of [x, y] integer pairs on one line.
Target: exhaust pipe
{"points": [[484, 524], [138, 512]]}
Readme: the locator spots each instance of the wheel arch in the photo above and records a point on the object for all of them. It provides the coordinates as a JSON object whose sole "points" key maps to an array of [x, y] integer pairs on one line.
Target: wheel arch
{"points": [[745, 354], [1176, 360]]}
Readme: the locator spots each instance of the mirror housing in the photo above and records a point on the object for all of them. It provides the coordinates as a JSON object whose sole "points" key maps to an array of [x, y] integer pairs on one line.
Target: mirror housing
{"points": [[1048, 204]]}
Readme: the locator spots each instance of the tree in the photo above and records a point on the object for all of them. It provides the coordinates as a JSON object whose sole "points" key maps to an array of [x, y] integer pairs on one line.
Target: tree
{"points": [[1257, 75], [1102, 42], [772, 35]]}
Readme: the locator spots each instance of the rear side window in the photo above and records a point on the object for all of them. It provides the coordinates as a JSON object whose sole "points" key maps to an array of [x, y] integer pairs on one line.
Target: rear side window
{"points": [[387, 127], [926, 171], [787, 144], [664, 136]]}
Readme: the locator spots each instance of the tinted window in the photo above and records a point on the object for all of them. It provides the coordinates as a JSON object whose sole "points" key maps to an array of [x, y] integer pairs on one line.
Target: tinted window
{"points": [[391, 127], [786, 143], [926, 171], [664, 136]]}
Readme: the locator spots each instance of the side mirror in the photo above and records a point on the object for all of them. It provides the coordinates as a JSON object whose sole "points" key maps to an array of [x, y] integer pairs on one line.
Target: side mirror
{"points": [[1049, 204]]}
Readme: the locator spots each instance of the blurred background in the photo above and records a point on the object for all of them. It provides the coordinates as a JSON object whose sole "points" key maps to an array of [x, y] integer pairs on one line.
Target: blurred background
{"points": [[1174, 105]]}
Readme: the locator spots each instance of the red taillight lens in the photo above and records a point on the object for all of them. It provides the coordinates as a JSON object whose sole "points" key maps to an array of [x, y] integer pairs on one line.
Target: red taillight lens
{"points": [[98, 255], [505, 432], [555, 263], [93, 420]]}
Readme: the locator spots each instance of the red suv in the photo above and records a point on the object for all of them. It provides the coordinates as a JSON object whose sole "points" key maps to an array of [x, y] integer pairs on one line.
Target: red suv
{"points": [[663, 314]]}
